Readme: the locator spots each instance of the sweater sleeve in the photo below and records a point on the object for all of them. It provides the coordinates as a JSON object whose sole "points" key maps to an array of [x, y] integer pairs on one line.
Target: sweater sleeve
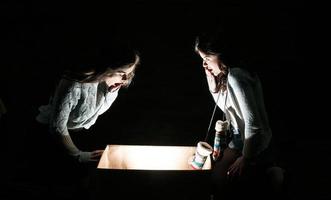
{"points": [[243, 89], [82, 156], [65, 99]]}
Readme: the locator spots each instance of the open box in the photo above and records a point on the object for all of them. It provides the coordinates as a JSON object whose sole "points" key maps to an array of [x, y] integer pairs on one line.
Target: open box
{"points": [[151, 172]]}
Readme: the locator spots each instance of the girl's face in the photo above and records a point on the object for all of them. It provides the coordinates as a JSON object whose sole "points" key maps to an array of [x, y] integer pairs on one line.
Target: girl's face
{"points": [[118, 78], [210, 63]]}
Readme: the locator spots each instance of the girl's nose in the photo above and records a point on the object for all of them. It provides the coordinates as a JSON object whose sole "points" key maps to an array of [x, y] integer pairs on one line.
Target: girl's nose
{"points": [[204, 64]]}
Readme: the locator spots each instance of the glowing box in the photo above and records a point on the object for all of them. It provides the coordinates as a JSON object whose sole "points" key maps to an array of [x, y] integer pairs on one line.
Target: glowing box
{"points": [[151, 172]]}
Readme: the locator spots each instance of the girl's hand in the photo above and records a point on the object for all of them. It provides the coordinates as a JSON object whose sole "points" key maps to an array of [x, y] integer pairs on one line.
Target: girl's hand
{"points": [[237, 168], [212, 82], [93, 156], [96, 155]]}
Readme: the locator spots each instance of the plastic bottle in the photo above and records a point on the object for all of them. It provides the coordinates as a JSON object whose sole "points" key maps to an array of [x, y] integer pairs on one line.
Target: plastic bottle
{"points": [[220, 138], [203, 150]]}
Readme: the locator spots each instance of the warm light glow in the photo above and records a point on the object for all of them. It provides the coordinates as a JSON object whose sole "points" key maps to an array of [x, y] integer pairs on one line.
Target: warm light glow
{"points": [[148, 157], [154, 157]]}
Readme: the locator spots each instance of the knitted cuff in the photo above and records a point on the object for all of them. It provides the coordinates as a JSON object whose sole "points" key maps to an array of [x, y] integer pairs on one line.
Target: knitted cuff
{"points": [[70, 146], [84, 156]]}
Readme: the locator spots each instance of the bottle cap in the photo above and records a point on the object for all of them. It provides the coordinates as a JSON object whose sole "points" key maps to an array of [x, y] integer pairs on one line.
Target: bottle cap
{"points": [[204, 148], [221, 125]]}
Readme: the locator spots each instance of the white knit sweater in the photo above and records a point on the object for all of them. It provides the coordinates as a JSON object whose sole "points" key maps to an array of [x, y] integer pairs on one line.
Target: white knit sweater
{"points": [[76, 105], [245, 109]]}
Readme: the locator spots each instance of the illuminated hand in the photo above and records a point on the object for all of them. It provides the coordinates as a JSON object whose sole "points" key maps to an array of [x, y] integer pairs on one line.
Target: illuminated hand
{"points": [[214, 86], [237, 168], [93, 156]]}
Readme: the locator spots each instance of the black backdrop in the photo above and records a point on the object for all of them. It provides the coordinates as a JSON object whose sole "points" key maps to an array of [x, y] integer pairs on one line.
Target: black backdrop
{"points": [[169, 92], [168, 102]]}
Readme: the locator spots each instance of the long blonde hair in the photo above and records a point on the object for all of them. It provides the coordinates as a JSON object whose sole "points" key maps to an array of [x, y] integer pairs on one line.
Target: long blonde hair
{"points": [[87, 73]]}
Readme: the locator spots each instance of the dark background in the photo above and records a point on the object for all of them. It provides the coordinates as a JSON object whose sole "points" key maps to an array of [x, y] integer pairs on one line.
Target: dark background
{"points": [[168, 102]]}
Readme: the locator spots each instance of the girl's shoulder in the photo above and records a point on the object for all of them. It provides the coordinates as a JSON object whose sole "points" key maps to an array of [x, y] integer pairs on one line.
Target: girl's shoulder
{"points": [[240, 76], [236, 71], [67, 83], [69, 86]]}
